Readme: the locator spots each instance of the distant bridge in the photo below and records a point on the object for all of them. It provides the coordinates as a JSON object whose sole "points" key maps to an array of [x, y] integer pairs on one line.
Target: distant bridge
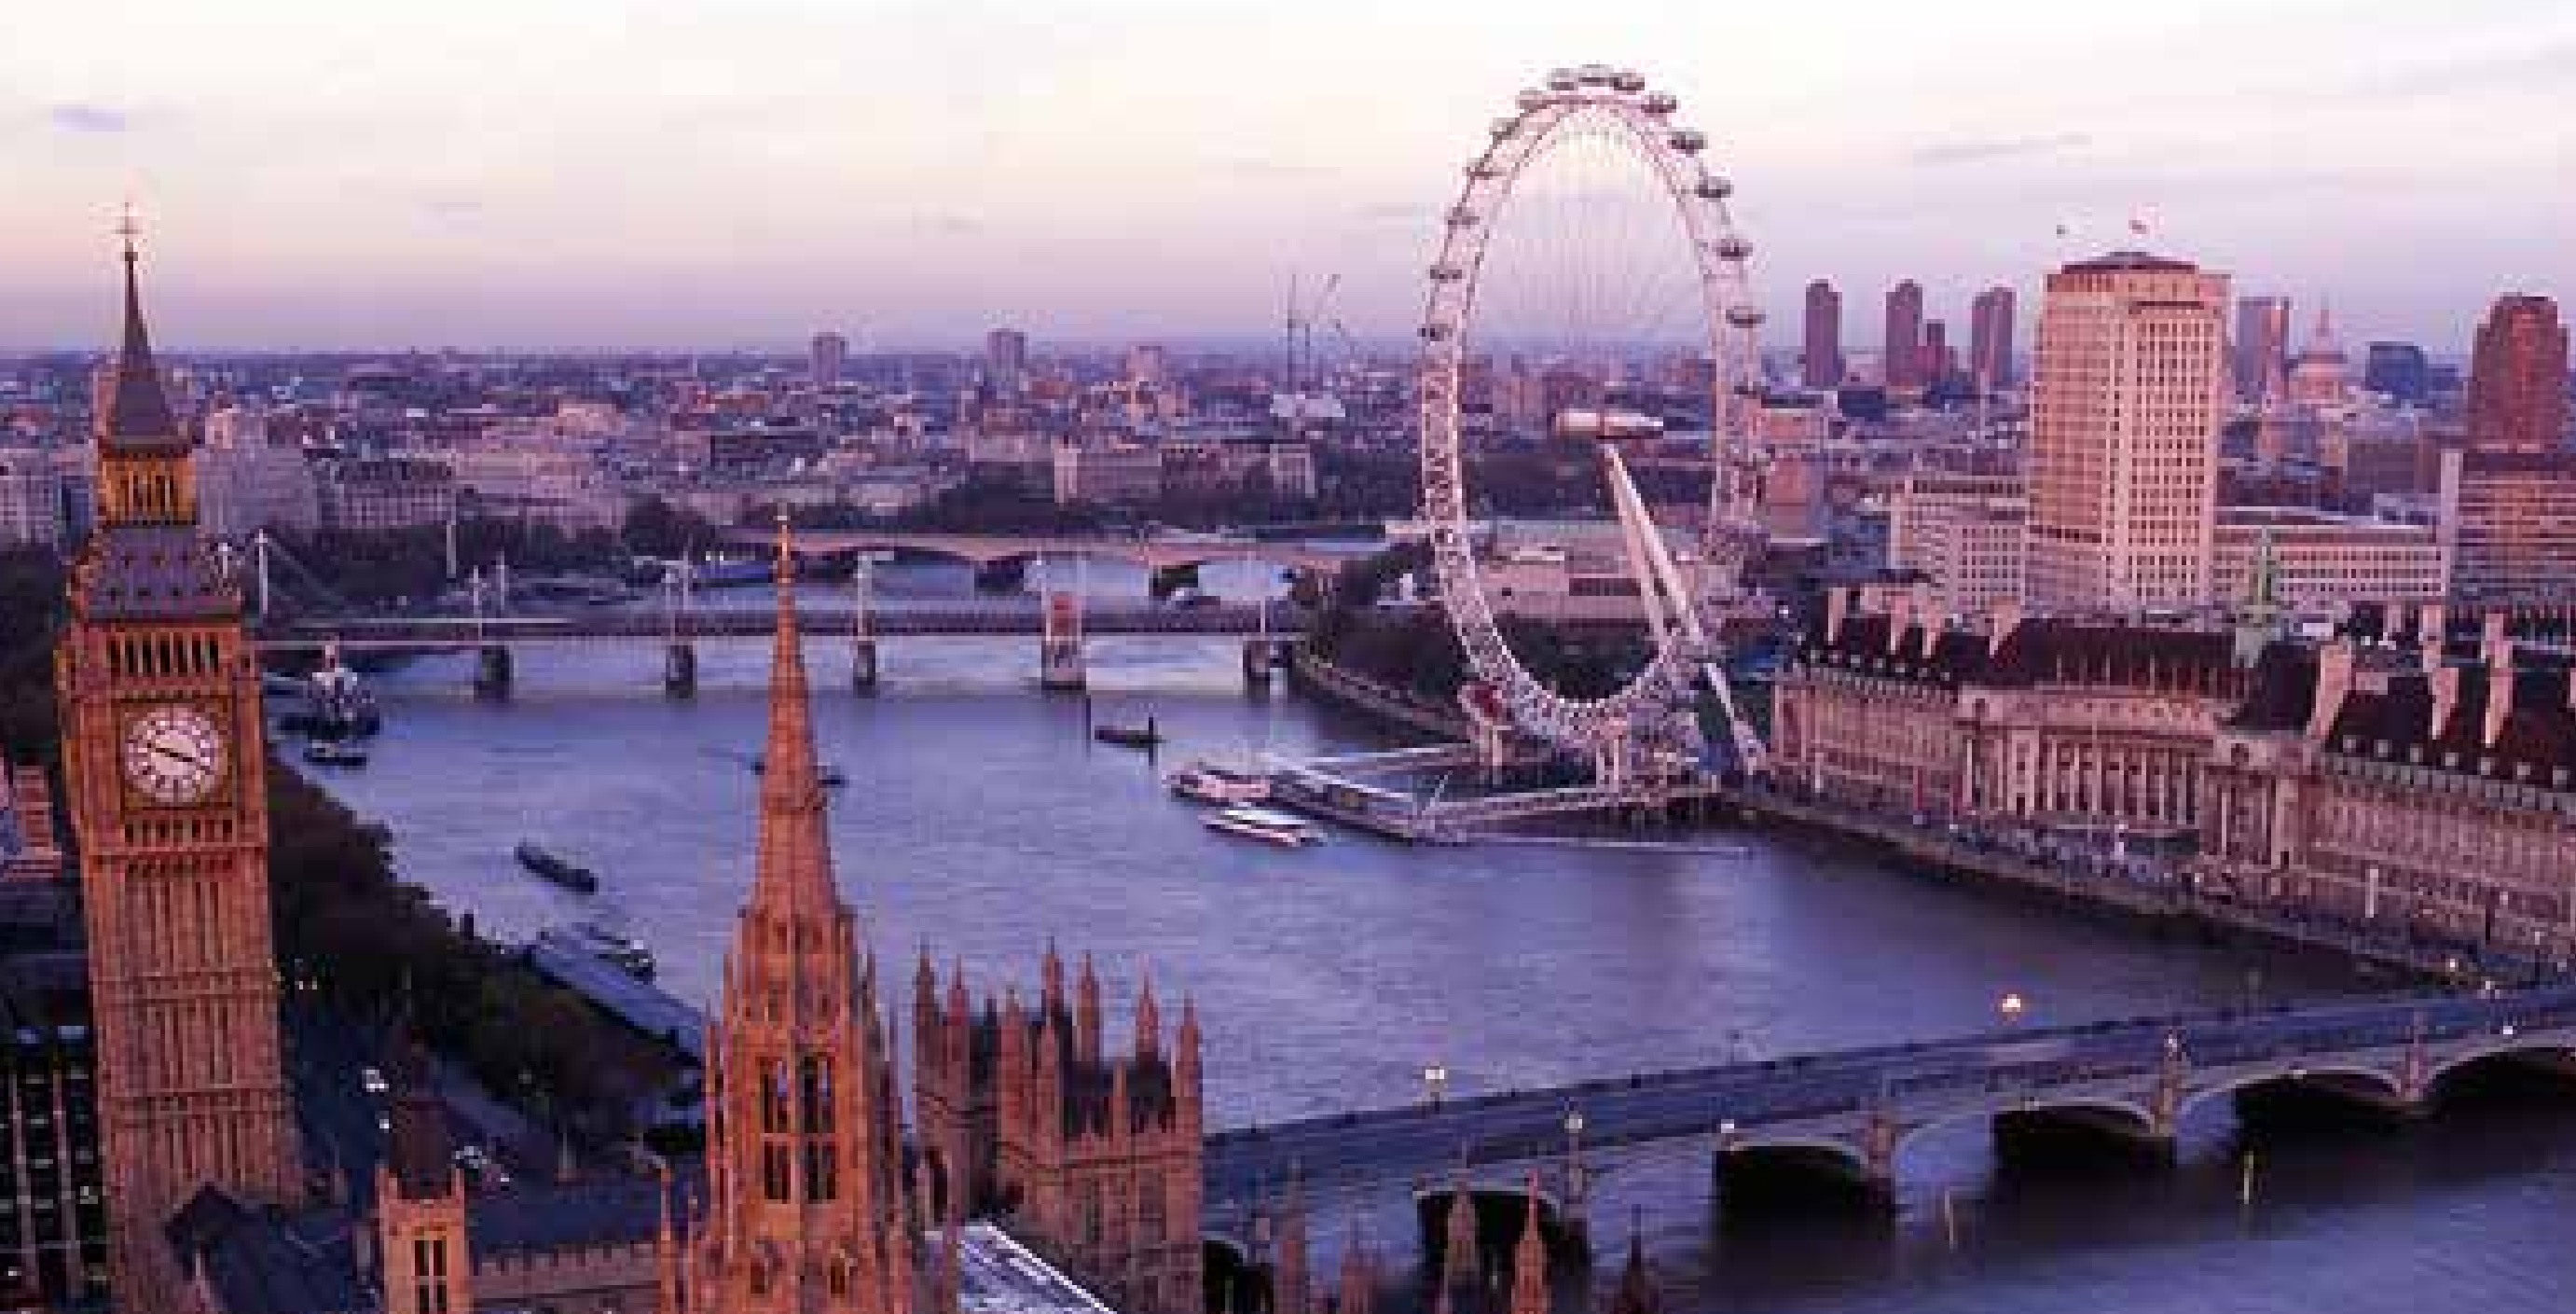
{"points": [[1161, 552], [456, 633], [1849, 1116]]}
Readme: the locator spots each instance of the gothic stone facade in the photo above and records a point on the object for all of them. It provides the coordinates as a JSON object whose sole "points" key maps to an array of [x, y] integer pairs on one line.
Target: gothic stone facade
{"points": [[1093, 1157]]}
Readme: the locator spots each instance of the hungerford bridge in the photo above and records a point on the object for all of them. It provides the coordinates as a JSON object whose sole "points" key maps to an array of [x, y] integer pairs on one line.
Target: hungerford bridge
{"points": [[493, 623], [1844, 1120]]}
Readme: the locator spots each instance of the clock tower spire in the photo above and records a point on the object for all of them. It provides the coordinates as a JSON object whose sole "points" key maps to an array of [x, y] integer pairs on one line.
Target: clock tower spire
{"points": [[165, 770]]}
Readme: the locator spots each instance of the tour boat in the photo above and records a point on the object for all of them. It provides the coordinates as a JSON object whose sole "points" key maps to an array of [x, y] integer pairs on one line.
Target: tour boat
{"points": [[1265, 825], [579, 879], [1129, 736], [335, 752], [1214, 782], [624, 953]]}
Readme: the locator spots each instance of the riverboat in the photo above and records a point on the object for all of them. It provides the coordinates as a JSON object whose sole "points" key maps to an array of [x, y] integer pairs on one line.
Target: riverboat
{"points": [[571, 876], [1215, 782], [625, 953], [1267, 826]]}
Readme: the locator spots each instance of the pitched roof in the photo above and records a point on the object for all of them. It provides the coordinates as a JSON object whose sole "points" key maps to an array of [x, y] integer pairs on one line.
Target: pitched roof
{"points": [[264, 1261], [138, 408]]}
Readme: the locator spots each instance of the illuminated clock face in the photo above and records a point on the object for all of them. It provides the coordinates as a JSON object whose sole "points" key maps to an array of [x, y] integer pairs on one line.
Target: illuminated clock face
{"points": [[173, 754]]}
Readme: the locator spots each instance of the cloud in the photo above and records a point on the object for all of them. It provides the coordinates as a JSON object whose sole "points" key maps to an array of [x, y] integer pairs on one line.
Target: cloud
{"points": [[1384, 212], [451, 207], [2006, 148], [2522, 66], [76, 117], [1253, 167]]}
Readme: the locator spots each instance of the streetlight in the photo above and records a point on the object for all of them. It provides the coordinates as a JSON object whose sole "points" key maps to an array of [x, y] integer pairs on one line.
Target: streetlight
{"points": [[1435, 1082], [2012, 1006]]}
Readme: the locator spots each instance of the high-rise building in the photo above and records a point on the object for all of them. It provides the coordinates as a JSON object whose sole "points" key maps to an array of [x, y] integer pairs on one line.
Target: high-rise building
{"points": [[162, 738], [2508, 497], [1821, 363], [831, 355], [2124, 434], [1934, 369], [1990, 338], [2397, 371], [1901, 357], [2262, 347], [2518, 379], [1006, 360]]}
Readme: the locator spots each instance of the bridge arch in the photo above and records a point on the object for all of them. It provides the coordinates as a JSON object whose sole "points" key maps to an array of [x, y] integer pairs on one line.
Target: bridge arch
{"points": [[2107, 1118], [1797, 1170], [2358, 1084], [2554, 1055]]}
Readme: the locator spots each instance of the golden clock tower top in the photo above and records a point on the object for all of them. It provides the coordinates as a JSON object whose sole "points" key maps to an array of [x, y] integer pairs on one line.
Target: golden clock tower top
{"points": [[146, 561]]}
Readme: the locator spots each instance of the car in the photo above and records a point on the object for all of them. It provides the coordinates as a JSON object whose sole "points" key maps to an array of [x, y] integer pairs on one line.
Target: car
{"points": [[373, 1080]]}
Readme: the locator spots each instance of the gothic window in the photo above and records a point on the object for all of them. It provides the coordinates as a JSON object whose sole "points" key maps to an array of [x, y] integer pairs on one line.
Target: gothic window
{"points": [[816, 1072], [777, 1163], [776, 1095], [1149, 1209], [822, 1180], [429, 1274]]}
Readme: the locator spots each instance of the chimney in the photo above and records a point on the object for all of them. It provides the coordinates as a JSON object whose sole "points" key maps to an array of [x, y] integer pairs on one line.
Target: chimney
{"points": [[2007, 618], [1837, 610], [2334, 683], [2432, 631], [2446, 700], [1900, 611], [2499, 683], [2493, 639]]}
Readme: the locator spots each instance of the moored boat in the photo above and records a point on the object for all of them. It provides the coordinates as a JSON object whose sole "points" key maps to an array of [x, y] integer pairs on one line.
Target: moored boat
{"points": [[625, 953], [1147, 735], [335, 752], [1262, 824], [1215, 782]]}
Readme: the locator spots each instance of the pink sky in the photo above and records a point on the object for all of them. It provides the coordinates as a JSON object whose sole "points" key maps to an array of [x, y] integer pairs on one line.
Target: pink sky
{"points": [[591, 173]]}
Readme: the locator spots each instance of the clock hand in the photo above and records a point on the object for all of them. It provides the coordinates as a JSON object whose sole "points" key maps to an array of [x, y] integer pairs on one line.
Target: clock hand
{"points": [[184, 759]]}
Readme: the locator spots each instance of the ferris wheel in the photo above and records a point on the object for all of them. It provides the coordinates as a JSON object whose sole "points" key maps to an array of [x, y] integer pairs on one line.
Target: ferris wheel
{"points": [[1589, 232]]}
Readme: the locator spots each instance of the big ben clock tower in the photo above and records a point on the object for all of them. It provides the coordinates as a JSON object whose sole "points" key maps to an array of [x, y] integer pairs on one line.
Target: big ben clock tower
{"points": [[159, 691]]}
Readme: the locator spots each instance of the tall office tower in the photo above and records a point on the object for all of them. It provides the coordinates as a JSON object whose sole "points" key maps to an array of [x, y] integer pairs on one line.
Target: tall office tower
{"points": [[2518, 378], [1990, 338], [2508, 499], [2397, 371], [1822, 361], [831, 356], [162, 740], [1902, 356], [1935, 362], [2262, 349], [1006, 360], [2124, 434]]}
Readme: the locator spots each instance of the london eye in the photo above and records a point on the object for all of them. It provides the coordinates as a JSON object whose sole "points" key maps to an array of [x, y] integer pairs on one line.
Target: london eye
{"points": [[1590, 239]]}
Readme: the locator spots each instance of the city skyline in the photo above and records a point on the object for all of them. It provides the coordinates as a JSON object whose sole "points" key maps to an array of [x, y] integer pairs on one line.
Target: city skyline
{"points": [[913, 175]]}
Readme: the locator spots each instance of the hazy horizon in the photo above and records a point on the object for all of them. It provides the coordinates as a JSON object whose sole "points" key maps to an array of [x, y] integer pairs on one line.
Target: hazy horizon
{"points": [[567, 176]]}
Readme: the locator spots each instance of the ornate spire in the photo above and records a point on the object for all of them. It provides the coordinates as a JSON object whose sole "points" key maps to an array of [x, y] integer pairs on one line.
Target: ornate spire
{"points": [[138, 410], [1637, 1292], [795, 861], [1529, 1260]]}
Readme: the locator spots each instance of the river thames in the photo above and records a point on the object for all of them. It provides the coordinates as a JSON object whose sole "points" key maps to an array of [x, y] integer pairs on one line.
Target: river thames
{"points": [[981, 819]]}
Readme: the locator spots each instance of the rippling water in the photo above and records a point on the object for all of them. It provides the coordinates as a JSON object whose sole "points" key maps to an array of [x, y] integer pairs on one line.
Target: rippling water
{"points": [[982, 820]]}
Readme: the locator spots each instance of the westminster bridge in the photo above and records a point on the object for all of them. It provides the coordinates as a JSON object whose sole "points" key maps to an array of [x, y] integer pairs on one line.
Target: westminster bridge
{"points": [[1844, 1120]]}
